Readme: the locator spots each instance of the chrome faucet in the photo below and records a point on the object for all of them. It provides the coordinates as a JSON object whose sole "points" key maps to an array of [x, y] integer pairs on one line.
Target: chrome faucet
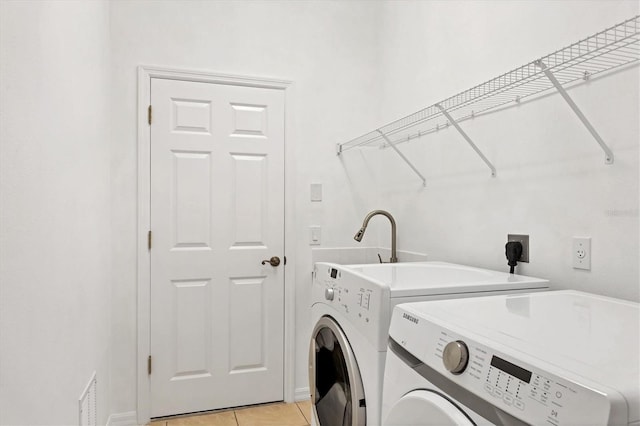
{"points": [[360, 233]]}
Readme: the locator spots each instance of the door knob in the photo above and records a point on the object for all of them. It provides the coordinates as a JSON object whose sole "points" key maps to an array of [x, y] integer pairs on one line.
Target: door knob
{"points": [[274, 261]]}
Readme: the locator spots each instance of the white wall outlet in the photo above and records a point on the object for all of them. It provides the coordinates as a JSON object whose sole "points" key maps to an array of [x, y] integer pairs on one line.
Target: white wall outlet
{"points": [[581, 253], [315, 237]]}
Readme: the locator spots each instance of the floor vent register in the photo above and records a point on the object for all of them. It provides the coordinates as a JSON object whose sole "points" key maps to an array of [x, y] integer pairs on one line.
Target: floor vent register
{"points": [[87, 404]]}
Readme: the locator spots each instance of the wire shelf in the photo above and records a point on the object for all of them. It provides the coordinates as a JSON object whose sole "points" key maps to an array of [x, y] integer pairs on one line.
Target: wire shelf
{"points": [[604, 51]]}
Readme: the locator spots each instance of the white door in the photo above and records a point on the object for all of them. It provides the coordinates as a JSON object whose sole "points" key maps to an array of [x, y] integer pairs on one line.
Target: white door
{"points": [[217, 211]]}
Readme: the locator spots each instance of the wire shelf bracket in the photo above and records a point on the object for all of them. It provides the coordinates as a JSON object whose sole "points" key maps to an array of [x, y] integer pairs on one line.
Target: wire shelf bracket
{"points": [[608, 159], [406, 160], [466, 137]]}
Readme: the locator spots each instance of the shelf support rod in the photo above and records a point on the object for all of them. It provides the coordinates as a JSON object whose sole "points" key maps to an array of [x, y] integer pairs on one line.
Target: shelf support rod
{"points": [[608, 159], [406, 160], [468, 139]]}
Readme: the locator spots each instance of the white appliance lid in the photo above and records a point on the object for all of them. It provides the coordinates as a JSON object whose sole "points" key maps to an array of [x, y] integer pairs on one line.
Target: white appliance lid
{"points": [[413, 278], [593, 336]]}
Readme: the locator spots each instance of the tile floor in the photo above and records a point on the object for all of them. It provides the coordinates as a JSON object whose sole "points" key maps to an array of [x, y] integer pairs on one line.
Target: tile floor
{"points": [[276, 414]]}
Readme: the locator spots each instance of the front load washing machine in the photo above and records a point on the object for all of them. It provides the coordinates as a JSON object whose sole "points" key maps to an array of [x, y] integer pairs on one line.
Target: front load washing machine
{"points": [[351, 309], [553, 358]]}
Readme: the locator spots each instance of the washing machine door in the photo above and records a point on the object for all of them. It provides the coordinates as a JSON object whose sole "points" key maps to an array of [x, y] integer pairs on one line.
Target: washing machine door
{"points": [[337, 394], [425, 408]]}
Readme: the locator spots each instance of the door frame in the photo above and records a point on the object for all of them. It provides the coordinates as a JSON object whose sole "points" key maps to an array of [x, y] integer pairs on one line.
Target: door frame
{"points": [[145, 74]]}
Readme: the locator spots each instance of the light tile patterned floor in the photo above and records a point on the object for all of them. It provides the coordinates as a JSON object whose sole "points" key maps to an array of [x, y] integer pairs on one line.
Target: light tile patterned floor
{"points": [[276, 414]]}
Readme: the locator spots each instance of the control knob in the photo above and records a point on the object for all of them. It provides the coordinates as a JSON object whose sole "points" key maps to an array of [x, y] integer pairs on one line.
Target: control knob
{"points": [[455, 356], [329, 293]]}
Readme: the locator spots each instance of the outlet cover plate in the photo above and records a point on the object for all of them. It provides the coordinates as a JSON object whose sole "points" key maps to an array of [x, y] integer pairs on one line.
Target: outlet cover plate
{"points": [[581, 253], [524, 240]]}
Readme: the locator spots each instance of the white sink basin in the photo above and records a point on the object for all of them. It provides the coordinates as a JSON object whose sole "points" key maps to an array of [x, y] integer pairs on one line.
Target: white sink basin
{"points": [[419, 275]]}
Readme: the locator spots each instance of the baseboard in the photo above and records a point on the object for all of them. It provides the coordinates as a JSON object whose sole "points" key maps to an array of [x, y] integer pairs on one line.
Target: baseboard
{"points": [[130, 418], [302, 394], [123, 419]]}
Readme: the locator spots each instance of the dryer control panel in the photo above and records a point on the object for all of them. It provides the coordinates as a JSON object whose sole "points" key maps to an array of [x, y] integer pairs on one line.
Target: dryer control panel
{"points": [[359, 301], [524, 388]]}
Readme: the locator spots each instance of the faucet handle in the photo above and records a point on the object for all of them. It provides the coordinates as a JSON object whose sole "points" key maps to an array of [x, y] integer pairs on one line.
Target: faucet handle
{"points": [[391, 260]]}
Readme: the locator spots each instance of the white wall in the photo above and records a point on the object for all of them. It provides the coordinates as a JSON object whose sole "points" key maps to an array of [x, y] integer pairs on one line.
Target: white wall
{"points": [[552, 182], [356, 65], [328, 50], [55, 212]]}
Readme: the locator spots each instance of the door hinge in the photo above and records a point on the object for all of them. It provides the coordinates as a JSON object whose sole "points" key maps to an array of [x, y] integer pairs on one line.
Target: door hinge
{"points": [[149, 240], [149, 365], [149, 114]]}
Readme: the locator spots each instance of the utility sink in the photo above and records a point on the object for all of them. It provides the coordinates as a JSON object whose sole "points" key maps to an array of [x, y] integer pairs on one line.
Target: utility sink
{"points": [[442, 277]]}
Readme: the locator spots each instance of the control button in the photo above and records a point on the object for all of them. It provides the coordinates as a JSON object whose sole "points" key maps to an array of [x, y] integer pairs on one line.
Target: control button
{"points": [[329, 293], [365, 302], [488, 387], [558, 394], [497, 393], [455, 356], [508, 399], [518, 404]]}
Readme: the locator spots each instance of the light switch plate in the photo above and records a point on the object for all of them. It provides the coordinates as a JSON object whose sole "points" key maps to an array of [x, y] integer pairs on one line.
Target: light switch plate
{"points": [[316, 192], [315, 235]]}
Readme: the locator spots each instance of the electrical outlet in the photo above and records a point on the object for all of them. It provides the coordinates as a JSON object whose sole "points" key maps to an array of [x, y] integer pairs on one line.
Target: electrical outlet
{"points": [[524, 240], [581, 253]]}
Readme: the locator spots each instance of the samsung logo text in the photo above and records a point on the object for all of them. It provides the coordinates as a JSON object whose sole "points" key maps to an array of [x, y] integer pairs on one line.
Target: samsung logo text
{"points": [[410, 318]]}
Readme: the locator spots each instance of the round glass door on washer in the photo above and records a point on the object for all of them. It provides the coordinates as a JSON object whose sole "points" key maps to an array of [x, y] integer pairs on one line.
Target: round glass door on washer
{"points": [[425, 408], [337, 395]]}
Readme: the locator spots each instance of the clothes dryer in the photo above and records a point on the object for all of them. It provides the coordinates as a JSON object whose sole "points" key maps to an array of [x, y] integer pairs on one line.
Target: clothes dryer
{"points": [[554, 358], [351, 309]]}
